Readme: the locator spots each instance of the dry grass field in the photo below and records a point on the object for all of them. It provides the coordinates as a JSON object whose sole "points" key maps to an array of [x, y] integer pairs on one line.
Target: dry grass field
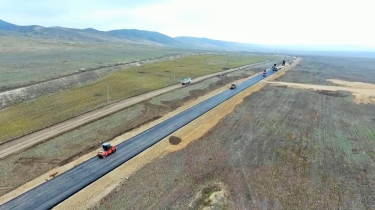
{"points": [[47, 110], [26, 60]]}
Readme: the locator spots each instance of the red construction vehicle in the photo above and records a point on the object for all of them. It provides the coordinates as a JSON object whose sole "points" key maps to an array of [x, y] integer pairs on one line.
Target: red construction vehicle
{"points": [[107, 150], [233, 86]]}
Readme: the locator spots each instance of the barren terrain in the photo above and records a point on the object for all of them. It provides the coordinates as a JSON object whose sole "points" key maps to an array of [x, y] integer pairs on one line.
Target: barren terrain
{"points": [[282, 148], [363, 92], [20, 168]]}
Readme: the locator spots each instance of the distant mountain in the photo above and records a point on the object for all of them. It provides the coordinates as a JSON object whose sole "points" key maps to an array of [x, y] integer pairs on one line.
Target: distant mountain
{"points": [[15, 28], [322, 47], [7, 26], [134, 36], [202, 42], [216, 44], [92, 35]]}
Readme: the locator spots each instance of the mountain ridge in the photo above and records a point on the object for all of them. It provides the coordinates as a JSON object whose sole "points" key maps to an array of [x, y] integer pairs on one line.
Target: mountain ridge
{"points": [[144, 37], [134, 36]]}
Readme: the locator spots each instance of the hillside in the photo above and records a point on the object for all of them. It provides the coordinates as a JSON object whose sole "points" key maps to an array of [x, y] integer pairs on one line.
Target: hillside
{"points": [[8, 26], [141, 35], [150, 38], [216, 44], [127, 36]]}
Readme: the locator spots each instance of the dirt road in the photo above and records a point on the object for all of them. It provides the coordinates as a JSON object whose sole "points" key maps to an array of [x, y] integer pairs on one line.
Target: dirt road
{"points": [[363, 92], [27, 141]]}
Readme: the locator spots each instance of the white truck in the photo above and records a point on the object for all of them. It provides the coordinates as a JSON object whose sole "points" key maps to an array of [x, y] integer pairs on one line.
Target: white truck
{"points": [[185, 81]]}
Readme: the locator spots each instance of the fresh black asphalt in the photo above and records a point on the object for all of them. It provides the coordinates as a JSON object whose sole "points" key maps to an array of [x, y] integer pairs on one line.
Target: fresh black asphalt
{"points": [[56, 190]]}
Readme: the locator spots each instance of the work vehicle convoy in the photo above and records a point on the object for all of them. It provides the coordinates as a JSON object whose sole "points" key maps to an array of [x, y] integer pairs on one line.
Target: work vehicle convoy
{"points": [[107, 150]]}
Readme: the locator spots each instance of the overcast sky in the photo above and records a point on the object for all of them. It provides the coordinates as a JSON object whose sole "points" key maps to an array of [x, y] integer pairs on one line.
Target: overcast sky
{"points": [[248, 21]]}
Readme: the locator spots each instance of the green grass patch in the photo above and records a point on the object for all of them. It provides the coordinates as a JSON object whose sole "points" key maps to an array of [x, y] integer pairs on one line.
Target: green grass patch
{"points": [[25, 60], [47, 110]]}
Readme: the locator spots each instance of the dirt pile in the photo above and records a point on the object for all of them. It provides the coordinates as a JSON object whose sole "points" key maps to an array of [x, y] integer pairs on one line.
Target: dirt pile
{"points": [[212, 196]]}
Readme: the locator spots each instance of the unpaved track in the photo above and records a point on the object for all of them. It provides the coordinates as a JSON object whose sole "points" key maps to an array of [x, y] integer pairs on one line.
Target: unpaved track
{"points": [[363, 93], [27, 141]]}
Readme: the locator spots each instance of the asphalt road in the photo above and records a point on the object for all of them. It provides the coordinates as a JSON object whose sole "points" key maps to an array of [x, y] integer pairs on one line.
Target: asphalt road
{"points": [[56, 190], [29, 140]]}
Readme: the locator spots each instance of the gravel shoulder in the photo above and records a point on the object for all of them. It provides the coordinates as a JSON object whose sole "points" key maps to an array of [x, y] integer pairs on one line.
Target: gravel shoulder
{"points": [[282, 148]]}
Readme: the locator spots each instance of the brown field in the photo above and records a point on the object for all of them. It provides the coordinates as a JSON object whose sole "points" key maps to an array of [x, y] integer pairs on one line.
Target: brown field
{"points": [[282, 148]]}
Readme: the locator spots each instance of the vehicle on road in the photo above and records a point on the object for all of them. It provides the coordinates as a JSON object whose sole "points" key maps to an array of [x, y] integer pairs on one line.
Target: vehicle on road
{"points": [[107, 150], [274, 68], [185, 81], [233, 86], [264, 73]]}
